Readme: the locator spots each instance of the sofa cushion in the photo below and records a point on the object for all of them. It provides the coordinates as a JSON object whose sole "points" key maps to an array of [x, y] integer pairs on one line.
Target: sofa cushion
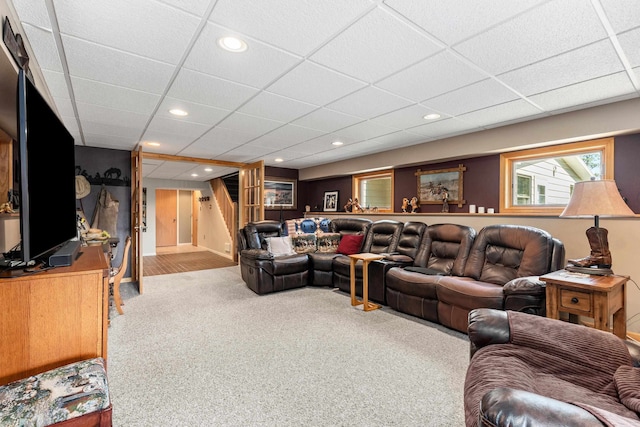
{"points": [[467, 293], [304, 243], [328, 242], [350, 244], [279, 246]]}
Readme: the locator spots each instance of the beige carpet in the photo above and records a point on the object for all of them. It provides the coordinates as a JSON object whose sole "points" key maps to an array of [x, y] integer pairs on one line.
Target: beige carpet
{"points": [[201, 349]]}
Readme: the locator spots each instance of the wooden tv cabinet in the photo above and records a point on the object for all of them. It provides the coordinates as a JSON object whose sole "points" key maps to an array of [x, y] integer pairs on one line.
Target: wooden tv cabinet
{"points": [[55, 317]]}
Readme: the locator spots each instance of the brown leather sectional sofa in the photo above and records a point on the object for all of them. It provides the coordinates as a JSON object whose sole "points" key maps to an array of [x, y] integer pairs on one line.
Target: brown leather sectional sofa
{"points": [[436, 272]]}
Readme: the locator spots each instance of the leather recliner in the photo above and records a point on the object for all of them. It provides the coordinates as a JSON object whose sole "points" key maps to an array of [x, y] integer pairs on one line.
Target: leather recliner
{"points": [[382, 238], [262, 272]]}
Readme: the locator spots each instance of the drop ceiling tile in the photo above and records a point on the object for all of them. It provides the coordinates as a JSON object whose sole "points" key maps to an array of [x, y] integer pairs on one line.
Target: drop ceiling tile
{"points": [[56, 84], [282, 24], [32, 12], [375, 47], [109, 141], [197, 7], [364, 130], [507, 112], [434, 76], [369, 102], [169, 142], [398, 140], [250, 125], [596, 60], [198, 113], [110, 129], [288, 156], [443, 128], [203, 89], [630, 42], [246, 153], [471, 17], [292, 134], [138, 27], [114, 97], [405, 117], [215, 142], [538, 34], [473, 97], [592, 91], [64, 107], [276, 107], [99, 114], [326, 120], [257, 66], [44, 48], [177, 127], [323, 143], [96, 62], [314, 84], [622, 14]]}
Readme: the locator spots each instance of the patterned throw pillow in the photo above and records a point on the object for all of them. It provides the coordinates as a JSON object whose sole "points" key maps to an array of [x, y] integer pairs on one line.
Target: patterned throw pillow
{"points": [[328, 242], [280, 246], [304, 243]]}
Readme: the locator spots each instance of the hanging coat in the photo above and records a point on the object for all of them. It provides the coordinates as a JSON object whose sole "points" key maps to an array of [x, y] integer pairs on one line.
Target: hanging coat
{"points": [[105, 215]]}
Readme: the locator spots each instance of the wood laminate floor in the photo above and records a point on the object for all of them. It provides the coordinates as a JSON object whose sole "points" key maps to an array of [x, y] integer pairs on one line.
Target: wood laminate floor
{"points": [[179, 259]]}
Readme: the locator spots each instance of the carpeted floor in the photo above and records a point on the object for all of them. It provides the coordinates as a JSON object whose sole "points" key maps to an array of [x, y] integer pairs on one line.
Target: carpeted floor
{"points": [[201, 349], [154, 265]]}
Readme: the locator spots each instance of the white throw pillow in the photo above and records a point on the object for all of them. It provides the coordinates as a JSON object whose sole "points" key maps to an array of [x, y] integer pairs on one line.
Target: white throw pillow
{"points": [[279, 246]]}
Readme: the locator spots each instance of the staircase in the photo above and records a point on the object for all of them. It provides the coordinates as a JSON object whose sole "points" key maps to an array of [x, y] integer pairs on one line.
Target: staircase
{"points": [[225, 190]]}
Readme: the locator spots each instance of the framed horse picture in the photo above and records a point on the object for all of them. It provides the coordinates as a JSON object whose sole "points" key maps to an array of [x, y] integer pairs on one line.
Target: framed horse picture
{"points": [[440, 185]]}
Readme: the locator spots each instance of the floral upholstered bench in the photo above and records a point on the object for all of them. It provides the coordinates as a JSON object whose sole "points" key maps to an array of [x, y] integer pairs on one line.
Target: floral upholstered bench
{"points": [[76, 394]]}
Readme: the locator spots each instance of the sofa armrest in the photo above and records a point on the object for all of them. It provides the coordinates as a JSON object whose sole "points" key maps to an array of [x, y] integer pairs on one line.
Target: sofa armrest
{"points": [[511, 407], [256, 254], [487, 326], [530, 285]]}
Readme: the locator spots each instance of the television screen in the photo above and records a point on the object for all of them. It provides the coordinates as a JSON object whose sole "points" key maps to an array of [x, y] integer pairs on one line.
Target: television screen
{"points": [[47, 175]]}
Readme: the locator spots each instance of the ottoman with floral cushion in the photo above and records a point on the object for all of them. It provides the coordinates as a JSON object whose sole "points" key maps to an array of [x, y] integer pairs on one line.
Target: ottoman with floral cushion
{"points": [[76, 394]]}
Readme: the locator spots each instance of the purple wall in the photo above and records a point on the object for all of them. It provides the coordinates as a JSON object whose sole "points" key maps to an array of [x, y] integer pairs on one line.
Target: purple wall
{"points": [[481, 181]]}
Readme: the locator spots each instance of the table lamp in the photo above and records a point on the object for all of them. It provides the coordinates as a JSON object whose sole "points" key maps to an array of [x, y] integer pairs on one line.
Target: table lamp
{"points": [[595, 199]]}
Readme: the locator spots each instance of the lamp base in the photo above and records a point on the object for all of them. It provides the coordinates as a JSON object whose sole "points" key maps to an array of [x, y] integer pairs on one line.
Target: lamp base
{"points": [[597, 271]]}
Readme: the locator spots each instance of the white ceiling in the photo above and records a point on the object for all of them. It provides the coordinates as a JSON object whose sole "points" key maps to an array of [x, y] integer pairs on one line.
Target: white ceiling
{"points": [[360, 71]]}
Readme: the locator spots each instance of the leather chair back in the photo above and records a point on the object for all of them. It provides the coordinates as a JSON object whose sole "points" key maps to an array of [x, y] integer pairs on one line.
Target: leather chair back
{"points": [[446, 247], [256, 232], [383, 237], [501, 253], [350, 225], [410, 238]]}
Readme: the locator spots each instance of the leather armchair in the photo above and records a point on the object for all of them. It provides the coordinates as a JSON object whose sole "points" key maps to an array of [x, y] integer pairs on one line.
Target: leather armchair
{"points": [[262, 272], [529, 370]]}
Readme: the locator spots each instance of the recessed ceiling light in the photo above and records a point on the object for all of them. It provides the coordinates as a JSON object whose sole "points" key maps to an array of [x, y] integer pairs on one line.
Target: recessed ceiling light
{"points": [[208, 170], [432, 116], [194, 174], [178, 112], [152, 144], [232, 44], [279, 160], [337, 143]]}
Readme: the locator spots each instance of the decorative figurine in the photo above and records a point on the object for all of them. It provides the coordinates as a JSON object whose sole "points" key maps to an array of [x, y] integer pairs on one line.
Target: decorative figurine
{"points": [[349, 205], [414, 205], [405, 204], [356, 206]]}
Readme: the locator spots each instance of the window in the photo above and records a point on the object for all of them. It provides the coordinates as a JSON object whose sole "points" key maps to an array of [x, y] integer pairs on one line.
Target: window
{"points": [[541, 180], [374, 190]]}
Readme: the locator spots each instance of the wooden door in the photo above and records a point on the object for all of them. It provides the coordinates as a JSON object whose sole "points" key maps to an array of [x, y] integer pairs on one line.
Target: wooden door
{"points": [[252, 190], [166, 218], [136, 218]]}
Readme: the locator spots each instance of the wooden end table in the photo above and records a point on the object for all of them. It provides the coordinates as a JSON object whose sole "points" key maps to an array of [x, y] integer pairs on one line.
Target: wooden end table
{"points": [[598, 297], [366, 259]]}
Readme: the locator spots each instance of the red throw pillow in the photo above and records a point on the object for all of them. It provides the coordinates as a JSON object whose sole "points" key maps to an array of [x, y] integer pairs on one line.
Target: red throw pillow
{"points": [[350, 244]]}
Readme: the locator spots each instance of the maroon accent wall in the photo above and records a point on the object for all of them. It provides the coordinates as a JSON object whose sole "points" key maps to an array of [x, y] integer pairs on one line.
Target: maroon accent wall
{"points": [[627, 169], [481, 182]]}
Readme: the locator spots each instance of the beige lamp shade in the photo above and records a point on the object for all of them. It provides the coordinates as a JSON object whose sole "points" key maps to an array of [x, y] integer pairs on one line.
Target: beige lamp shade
{"points": [[596, 198]]}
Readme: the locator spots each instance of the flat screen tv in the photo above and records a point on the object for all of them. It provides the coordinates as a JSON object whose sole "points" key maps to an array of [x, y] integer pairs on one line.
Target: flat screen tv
{"points": [[46, 159]]}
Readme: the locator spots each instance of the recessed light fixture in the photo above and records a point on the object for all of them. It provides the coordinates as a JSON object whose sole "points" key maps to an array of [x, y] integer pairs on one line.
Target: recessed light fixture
{"points": [[178, 112], [208, 170], [279, 160], [152, 144], [232, 44], [194, 174], [337, 143], [432, 116]]}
